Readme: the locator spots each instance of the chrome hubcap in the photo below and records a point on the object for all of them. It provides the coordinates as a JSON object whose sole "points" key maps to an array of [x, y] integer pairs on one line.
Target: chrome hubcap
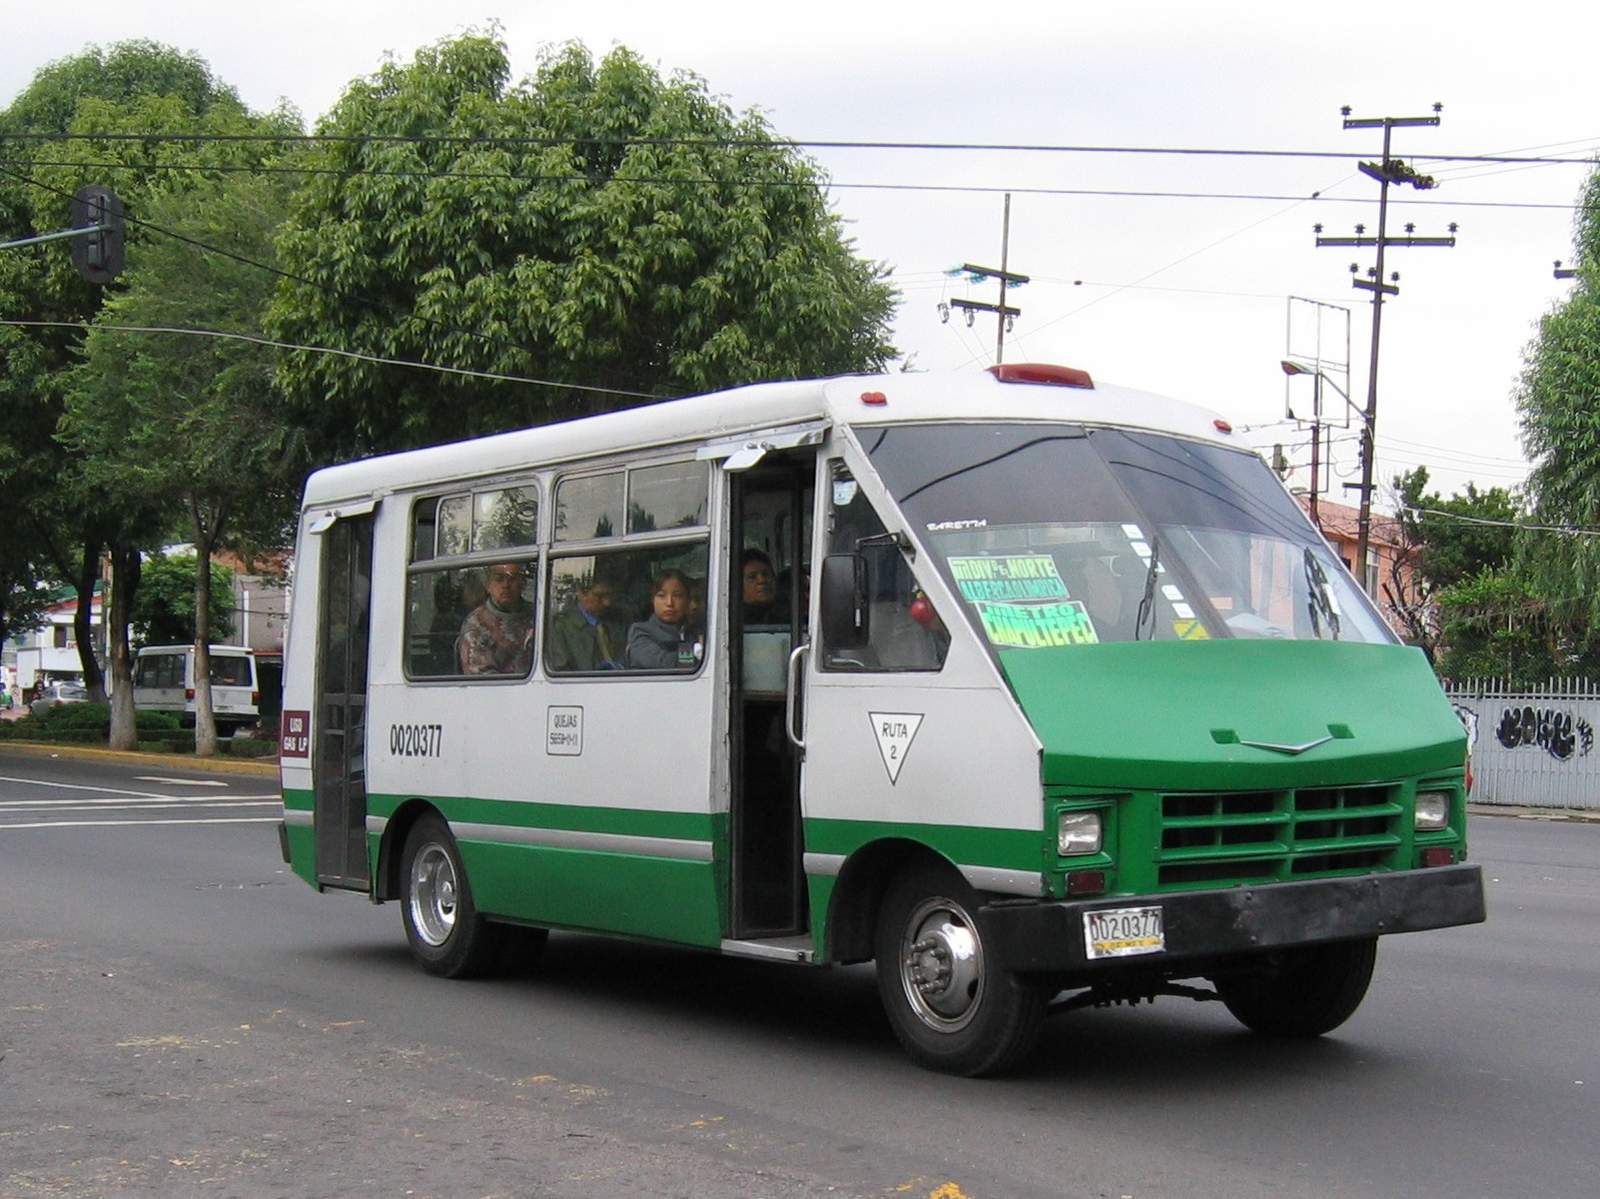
{"points": [[433, 895], [941, 965]]}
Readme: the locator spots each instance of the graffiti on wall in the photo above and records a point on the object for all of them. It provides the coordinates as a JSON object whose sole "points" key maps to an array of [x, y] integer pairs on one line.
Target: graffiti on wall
{"points": [[1554, 730]]}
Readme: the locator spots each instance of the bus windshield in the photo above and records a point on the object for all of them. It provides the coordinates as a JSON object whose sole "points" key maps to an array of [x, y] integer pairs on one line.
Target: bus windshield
{"points": [[1068, 535]]}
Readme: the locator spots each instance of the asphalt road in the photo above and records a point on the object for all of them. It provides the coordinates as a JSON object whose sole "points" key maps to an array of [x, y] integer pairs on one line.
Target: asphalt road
{"points": [[180, 1016]]}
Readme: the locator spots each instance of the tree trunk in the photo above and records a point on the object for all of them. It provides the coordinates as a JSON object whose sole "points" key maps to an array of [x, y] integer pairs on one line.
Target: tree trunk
{"points": [[124, 585], [83, 622], [205, 721]]}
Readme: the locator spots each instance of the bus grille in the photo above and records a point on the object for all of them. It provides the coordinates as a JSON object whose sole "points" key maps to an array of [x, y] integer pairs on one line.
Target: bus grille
{"points": [[1276, 836]]}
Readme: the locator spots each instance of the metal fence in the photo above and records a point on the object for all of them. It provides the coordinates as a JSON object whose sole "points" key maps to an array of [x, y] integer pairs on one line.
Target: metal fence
{"points": [[1532, 745]]}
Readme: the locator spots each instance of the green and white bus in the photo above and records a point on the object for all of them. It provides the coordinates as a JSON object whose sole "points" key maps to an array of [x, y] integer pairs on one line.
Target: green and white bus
{"points": [[1038, 693]]}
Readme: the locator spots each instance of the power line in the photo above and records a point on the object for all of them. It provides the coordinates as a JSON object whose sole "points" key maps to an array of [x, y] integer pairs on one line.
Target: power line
{"points": [[819, 183], [1569, 530], [754, 144], [374, 304], [254, 339]]}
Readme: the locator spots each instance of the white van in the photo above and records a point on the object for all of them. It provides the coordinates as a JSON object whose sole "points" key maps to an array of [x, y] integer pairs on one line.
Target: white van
{"points": [[163, 681]]}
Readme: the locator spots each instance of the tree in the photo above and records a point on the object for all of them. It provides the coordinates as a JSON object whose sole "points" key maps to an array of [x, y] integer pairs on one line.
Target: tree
{"points": [[163, 613], [136, 87], [640, 236], [1444, 542], [1558, 400], [194, 420]]}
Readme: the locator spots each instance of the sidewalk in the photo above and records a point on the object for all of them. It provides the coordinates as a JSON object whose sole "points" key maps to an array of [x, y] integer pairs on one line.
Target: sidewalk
{"points": [[1575, 815], [260, 767]]}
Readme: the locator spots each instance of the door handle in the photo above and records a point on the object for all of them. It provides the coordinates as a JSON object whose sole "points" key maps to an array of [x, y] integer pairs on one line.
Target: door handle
{"points": [[791, 694]]}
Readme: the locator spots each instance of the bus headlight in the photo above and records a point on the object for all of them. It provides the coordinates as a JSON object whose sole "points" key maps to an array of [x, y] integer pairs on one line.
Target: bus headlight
{"points": [[1077, 833], [1433, 810]]}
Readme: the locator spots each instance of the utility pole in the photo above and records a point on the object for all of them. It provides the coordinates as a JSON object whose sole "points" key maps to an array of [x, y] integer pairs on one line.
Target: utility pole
{"points": [[1386, 171], [1006, 314]]}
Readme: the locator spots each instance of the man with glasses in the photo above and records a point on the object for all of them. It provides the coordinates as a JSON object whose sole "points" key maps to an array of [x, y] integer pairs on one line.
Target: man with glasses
{"points": [[586, 636], [497, 635]]}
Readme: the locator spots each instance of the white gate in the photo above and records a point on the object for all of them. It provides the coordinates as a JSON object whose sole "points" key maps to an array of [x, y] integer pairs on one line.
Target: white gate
{"points": [[1532, 746]]}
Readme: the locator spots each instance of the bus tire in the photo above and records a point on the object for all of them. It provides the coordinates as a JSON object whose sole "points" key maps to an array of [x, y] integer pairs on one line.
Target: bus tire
{"points": [[447, 935], [953, 1007], [1305, 992]]}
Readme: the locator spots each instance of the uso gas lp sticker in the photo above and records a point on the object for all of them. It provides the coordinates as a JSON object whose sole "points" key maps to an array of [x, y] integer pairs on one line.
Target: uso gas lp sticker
{"points": [[895, 731]]}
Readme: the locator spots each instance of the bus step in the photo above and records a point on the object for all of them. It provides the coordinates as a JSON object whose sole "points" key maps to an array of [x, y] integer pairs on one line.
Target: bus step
{"points": [[774, 949]]}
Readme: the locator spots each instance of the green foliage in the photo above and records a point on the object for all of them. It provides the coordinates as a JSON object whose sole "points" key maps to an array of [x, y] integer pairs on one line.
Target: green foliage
{"points": [[1450, 550], [1495, 625], [56, 512], [193, 420], [1561, 426], [163, 609], [589, 255]]}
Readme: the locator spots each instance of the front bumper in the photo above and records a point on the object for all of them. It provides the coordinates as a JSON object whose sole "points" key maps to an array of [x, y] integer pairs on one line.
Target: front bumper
{"points": [[1049, 936]]}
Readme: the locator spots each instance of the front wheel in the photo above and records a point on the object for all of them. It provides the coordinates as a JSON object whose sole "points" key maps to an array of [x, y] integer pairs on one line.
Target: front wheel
{"points": [[447, 935], [952, 1005], [1301, 992]]}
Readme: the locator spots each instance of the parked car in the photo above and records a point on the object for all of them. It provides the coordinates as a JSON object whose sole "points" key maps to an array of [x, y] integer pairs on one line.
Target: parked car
{"points": [[57, 694]]}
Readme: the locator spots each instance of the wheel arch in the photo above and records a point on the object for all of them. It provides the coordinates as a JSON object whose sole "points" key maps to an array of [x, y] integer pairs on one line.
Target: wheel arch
{"points": [[858, 891], [387, 883]]}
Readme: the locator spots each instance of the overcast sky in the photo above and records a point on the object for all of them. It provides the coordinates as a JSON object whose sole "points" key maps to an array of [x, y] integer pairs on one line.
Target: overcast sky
{"points": [[1183, 296]]}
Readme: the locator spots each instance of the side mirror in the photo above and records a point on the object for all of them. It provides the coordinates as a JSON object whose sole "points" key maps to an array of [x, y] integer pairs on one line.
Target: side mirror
{"points": [[844, 609]]}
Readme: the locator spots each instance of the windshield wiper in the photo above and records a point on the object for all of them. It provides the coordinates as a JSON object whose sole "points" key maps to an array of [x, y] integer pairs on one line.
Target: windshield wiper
{"points": [[1320, 602], [1147, 604]]}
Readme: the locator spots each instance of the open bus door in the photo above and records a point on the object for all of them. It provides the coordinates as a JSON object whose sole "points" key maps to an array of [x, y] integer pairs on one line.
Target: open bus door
{"points": [[772, 519], [340, 719]]}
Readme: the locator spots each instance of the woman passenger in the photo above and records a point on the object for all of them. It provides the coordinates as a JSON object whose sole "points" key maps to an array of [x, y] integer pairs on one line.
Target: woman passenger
{"points": [[665, 641]]}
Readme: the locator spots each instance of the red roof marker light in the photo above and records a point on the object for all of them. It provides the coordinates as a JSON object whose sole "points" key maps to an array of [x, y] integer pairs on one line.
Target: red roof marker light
{"points": [[1041, 372], [875, 399]]}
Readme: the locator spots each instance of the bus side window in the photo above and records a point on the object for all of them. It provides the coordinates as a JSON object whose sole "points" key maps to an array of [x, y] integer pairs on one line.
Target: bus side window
{"points": [[905, 632], [602, 613]]}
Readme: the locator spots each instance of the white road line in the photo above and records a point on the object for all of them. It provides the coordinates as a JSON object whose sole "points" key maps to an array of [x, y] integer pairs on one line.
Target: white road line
{"points": [[20, 804], [153, 807], [121, 823], [156, 778], [81, 787]]}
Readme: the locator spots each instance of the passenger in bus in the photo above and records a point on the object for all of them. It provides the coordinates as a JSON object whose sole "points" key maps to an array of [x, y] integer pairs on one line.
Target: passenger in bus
{"points": [[664, 641], [588, 635], [497, 635], [760, 589]]}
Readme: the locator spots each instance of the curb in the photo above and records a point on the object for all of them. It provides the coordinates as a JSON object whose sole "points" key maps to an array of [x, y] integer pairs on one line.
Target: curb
{"points": [[259, 767], [1521, 812]]}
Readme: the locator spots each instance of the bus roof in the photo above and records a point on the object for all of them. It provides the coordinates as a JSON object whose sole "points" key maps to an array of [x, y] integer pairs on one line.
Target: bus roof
{"points": [[854, 400]]}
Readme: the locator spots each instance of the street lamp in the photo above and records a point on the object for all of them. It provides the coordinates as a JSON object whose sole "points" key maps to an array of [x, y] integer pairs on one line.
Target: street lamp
{"points": [[1292, 367]]}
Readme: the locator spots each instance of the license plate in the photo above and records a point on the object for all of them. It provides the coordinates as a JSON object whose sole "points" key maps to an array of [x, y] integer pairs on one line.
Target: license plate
{"points": [[1123, 932]]}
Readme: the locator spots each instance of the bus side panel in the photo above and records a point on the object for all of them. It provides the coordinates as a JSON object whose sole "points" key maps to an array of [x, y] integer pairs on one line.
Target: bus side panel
{"points": [[658, 898], [611, 830]]}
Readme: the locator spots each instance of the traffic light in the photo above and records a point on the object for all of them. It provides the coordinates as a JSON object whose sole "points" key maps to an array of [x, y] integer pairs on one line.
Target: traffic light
{"points": [[98, 255]]}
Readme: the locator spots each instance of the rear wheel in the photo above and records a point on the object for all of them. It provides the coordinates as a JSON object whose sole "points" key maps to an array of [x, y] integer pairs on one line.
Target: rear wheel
{"points": [[952, 1005], [1301, 992], [447, 935]]}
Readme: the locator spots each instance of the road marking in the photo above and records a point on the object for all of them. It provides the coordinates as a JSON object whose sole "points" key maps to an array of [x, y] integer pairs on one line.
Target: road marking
{"points": [[156, 778], [122, 823], [73, 801], [80, 787], [164, 805]]}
